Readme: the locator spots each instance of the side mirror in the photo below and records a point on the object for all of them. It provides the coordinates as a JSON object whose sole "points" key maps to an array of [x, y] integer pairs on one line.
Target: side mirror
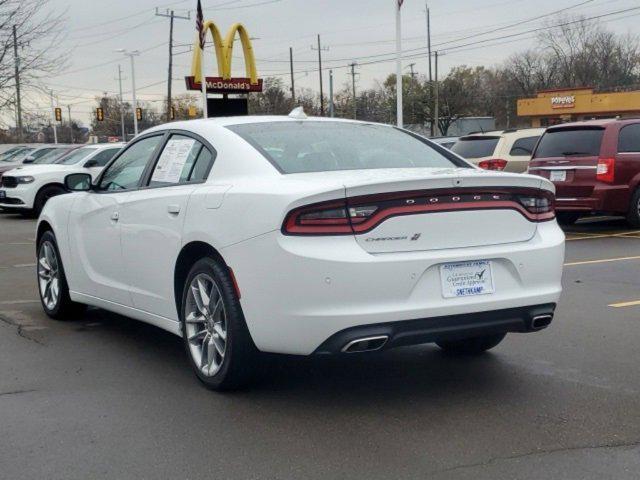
{"points": [[78, 182], [28, 160], [91, 163]]}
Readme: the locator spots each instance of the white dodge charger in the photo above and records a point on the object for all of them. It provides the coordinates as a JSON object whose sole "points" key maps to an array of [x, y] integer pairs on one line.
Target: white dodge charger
{"points": [[302, 236]]}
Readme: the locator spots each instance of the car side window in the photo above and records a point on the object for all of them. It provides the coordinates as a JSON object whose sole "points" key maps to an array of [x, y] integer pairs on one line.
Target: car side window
{"points": [[183, 160], [102, 158], [128, 169], [629, 139], [523, 147]]}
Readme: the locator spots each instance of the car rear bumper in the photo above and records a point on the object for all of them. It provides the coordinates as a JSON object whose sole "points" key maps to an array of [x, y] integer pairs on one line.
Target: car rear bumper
{"points": [[297, 292], [603, 198], [452, 327]]}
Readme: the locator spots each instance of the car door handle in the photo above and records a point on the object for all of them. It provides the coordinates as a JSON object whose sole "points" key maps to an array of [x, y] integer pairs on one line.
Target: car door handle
{"points": [[173, 209], [115, 216]]}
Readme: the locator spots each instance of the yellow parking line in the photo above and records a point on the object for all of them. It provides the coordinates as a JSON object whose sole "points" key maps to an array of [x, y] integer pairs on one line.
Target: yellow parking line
{"points": [[625, 304], [603, 260], [592, 236]]}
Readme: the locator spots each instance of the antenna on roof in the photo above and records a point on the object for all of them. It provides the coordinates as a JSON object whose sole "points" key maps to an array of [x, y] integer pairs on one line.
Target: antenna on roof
{"points": [[298, 113]]}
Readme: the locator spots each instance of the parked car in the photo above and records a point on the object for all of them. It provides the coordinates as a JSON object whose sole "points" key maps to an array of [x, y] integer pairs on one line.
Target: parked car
{"points": [[353, 237], [27, 188], [595, 166], [446, 142], [508, 150]]}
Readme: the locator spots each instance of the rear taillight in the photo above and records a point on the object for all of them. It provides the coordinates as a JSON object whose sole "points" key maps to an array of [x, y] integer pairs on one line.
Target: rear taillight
{"points": [[605, 170], [493, 164], [361, 214]]}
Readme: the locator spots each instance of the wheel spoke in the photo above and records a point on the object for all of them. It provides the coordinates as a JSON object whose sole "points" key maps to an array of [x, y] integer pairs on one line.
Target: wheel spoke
{"points": [[217, 327], [55, 289], [217, 309], [197, 335], [204, 357], [219, 344], [202, 290], [211, 353], [195, 291], [193, 317], [44, 263]]}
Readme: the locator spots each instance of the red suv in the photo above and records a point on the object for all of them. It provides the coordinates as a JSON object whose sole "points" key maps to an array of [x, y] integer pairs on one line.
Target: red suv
{"points": [[595, 166]]}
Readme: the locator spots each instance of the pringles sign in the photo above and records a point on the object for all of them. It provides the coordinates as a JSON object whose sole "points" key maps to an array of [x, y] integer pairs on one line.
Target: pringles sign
{"points": [[223, 49]]}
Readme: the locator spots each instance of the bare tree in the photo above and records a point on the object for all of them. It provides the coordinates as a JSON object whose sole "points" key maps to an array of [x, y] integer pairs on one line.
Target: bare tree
{"points": [[38, 35]]}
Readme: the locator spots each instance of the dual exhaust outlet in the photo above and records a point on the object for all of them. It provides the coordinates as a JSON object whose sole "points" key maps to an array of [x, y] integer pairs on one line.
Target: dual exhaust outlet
{"points": [[370, 344]]}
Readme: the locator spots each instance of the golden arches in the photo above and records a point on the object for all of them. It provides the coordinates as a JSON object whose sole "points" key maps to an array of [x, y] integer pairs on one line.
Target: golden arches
{"points": [[224, 51]]}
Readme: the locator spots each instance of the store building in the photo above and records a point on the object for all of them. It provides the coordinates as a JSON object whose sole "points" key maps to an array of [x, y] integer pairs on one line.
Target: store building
{"points": [[551, 107]]}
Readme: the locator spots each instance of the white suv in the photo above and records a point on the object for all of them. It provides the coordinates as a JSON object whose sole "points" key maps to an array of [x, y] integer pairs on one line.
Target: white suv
{"points": [[27, 188], [508, 150]]}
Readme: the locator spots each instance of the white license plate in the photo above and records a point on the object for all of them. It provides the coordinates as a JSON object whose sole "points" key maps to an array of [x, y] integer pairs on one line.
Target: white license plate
{"points": [[465, 279], [3, 194], [558, 175]]}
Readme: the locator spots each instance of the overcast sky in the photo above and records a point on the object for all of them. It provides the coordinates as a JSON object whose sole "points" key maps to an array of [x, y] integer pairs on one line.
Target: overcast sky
{"points": [[351, 30]]}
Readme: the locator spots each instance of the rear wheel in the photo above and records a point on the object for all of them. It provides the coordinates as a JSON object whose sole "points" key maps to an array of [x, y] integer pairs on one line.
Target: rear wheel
{"points": [[472, 346], [633, 216], [214, 331], [44, 195], [52, 282], [567, 218]]}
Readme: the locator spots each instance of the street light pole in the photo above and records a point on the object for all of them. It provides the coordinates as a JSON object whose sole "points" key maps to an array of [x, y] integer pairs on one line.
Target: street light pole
{"points": [[131, 55], [124, 134]]}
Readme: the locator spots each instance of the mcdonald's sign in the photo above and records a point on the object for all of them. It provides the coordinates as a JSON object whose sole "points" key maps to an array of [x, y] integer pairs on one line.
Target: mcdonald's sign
{"points": [[223, 49]]}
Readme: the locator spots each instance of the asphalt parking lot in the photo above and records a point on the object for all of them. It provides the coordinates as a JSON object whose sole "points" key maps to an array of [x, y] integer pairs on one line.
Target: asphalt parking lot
{"points": [[107, 397]]}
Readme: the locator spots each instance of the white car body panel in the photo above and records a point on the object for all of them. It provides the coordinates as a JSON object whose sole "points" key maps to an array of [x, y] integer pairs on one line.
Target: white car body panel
{"points": [[296, 291]]}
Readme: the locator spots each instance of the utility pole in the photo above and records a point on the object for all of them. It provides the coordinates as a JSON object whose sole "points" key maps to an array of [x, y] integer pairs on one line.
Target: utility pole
{"points": [[507, 111], [399, 103], [124, 135], [171, 15], [413, 74], [293, 87], [320, 73], [53, 119], [17, 78], [353, 87], [429, 53], [70, 127], [331, 106], [436, 108]]}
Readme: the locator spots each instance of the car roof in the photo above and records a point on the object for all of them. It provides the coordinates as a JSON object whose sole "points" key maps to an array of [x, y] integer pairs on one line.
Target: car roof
{"points": [[601, 122]]}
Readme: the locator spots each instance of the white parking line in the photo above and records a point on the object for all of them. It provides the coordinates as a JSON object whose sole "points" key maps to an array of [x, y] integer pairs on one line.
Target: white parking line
{"points": [[603, 260], [17, 302]]}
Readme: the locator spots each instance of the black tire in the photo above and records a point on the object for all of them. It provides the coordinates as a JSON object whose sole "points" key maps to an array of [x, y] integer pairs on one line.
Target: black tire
{"points": [[239, 354], [567, 218], [44, 195], [633, 215], [472, 346], [64, 308]]}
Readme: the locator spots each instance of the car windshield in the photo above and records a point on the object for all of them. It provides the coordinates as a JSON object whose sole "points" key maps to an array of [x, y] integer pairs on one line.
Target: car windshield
{"points": [[77, 156], [18, 154], [475, 147], [313, 146], [576, 142], [51, 156]]}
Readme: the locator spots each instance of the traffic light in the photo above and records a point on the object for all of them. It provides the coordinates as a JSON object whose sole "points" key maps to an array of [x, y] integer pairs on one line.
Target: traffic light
{"points": [[99, 114], [138, 113], [173, 113], [192, 111], [58, 114]]}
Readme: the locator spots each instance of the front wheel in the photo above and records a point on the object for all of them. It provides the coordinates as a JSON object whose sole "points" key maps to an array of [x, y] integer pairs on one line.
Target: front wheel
{"points": [[633, 216], [43, 197], [215, 335], [52, 282], [472, 346]]}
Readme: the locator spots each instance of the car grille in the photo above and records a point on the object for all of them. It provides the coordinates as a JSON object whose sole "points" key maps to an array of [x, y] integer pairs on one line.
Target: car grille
{"points": [[11, 201], [9, 182]]}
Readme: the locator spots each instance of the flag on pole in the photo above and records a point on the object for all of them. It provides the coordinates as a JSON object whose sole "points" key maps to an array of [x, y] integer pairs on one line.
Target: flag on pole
{"points": [[200, 25], [201, 40]]}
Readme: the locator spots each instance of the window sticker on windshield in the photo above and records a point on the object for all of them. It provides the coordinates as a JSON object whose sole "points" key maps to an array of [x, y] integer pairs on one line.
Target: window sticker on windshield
{"points": [[172, 160]]}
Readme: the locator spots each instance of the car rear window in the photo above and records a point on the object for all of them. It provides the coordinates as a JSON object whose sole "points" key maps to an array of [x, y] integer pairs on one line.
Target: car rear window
{"points": [[565, 142], [313, 146], [475, 147], [523, 147]]}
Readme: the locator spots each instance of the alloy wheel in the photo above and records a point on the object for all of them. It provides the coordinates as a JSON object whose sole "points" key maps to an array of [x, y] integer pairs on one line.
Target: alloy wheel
{"points": [[206, 324], [49, 275]]}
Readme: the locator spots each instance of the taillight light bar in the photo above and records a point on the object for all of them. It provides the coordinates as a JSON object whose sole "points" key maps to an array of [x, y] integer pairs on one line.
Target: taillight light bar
{"points": [[605, 171], [493, 164], [361, 214]]}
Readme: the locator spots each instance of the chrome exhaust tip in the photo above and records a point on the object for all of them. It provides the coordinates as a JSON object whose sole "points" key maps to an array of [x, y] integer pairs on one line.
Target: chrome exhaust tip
{"points": [[366, 344], [541, 321]]}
